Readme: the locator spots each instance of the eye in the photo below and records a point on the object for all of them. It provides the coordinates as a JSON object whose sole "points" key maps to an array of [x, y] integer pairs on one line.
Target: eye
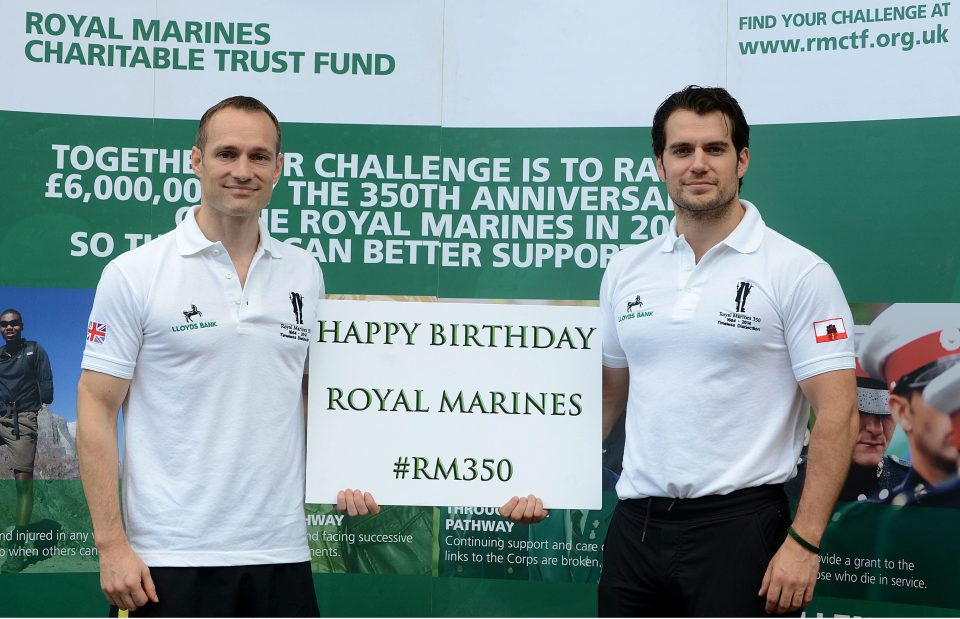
{"points": [[224, 155], [681, 151]]}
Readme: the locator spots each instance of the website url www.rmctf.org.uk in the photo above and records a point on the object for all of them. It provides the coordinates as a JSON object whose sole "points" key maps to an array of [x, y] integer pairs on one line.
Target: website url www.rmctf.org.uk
{"points": [[863, 39]]}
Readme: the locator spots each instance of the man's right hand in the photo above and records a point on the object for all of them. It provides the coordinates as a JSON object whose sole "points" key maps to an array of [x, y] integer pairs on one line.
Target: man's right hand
{"points": [[125, 578]]}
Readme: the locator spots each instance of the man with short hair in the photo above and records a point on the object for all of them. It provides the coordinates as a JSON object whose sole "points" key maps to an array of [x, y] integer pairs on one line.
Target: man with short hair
{"points": [[739, 329], [194, 334], [914, 348], [26, 384]]}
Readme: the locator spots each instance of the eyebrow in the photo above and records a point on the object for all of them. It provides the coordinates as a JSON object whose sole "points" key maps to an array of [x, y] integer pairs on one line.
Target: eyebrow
{"points": [[723, 143], [233, 147]]}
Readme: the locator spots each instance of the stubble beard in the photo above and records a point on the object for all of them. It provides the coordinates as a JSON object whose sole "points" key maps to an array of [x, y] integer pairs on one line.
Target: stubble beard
{"points": [[716, 209]]}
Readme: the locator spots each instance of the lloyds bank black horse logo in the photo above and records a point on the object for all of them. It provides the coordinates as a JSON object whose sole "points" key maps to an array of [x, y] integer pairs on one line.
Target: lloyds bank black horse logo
{"points": [[190, 313]]}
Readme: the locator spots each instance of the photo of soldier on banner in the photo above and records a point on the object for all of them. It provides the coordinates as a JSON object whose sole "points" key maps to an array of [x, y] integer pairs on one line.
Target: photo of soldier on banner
{"points": [[43, 521], [881, 549]]}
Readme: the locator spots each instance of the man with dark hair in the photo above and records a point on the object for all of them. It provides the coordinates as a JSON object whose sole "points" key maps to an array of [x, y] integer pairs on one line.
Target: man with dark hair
{"points": [[702, 101], [213, 470], [26, 384], [717, 386]]}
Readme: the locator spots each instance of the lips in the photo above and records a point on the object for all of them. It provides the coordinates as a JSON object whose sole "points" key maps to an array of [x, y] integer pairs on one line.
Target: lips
{"points": [[241, 190]]}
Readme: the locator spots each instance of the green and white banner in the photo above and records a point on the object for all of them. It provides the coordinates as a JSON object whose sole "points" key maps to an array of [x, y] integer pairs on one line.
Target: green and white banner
{"points": [[455, 149]]}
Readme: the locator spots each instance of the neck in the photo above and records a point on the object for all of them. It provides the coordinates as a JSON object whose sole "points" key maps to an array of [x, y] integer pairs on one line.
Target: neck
{"points": [[13, 346], [704, 230], [240, 236]]}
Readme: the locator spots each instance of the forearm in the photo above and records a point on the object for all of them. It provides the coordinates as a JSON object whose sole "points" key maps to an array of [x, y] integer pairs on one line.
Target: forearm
{"points": [[831, 447], [99, 469], [616, 386]]}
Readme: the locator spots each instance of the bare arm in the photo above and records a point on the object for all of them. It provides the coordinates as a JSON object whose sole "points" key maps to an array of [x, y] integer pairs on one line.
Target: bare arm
{"points": [[834, 398], [616, 386], [303, 392], [124, 578], [792, 573]]}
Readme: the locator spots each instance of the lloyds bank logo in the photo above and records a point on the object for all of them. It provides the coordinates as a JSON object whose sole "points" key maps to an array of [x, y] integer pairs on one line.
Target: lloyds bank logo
{"points": [[189, 324], [637, 303]]}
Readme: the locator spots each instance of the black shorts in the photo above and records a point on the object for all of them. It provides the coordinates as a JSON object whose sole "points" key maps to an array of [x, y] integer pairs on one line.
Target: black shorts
{"points": [[692, 557], [272, 590]]}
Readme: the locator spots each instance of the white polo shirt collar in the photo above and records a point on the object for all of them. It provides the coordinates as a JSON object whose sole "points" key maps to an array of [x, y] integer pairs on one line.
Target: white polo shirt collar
{"points": [[191, 240], [745, 238]]}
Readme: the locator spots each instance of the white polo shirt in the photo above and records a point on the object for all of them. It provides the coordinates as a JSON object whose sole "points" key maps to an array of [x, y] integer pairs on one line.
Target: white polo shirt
{"points": [[213, 465], [715, 352]]}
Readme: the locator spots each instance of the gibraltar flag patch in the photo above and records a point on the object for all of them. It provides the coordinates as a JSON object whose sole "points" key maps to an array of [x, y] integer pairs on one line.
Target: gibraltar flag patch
{"points": [[829, 330]]}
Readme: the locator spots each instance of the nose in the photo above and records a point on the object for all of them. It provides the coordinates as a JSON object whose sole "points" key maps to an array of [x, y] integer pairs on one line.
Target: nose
{"points": [[872, 424], [699, 163], [241, 169]]}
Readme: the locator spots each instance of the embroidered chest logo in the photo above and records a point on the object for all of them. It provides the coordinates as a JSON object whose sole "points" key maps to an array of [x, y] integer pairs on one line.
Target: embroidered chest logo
{"points": [[633, 308], [190, 313], [189, 324], [297, 300], [829, 330], [738, 318], [295, 330], [743, 289]]}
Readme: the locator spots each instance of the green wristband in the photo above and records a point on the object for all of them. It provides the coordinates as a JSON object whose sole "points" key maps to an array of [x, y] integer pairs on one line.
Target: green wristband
{"points": [[804, 543]]}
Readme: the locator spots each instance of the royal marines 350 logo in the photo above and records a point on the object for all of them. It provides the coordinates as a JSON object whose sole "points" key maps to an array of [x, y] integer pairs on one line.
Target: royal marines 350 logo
{"points": [[295, 330], [739, 318], [190, 324], [634, 310]]}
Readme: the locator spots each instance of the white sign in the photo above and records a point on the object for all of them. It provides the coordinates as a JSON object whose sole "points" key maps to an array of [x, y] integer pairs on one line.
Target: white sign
{"points": [[455, 403]]}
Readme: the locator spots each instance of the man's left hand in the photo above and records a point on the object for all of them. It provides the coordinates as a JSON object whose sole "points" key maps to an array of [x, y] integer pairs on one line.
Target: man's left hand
{"points": [[524, 510], [790, 578]]}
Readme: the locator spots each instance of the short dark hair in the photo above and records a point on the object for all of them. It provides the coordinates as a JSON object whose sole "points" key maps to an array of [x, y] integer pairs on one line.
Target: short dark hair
{"points": [[701, 100], [10, 310], [239, 102]]}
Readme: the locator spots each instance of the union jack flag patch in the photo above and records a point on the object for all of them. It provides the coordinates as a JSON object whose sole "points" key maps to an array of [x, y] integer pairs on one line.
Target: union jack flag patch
{"points": [[96, 332]]}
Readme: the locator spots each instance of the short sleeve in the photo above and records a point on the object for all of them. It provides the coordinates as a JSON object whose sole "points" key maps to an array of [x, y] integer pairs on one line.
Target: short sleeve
{"points": [[613, 355], [818, 325], [115, 330]]}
